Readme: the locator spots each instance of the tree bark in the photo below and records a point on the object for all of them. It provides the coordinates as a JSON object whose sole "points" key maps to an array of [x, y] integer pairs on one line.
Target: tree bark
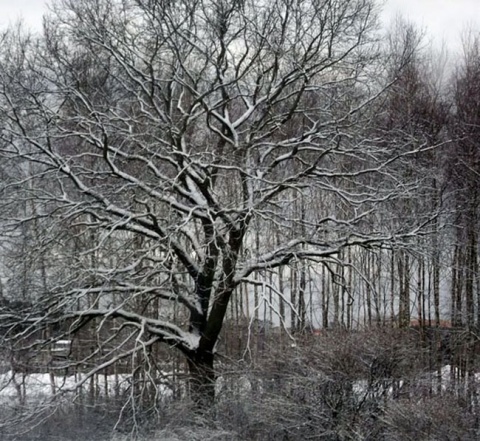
{"points": [[202, 378]]}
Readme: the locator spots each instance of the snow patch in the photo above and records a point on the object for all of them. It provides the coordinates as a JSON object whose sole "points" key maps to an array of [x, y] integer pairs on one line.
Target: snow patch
{"points": [[21, 387], [192, 340]]}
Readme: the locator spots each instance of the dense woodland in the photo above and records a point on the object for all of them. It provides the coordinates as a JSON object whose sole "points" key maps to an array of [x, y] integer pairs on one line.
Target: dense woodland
{"points": [[238, 220]]}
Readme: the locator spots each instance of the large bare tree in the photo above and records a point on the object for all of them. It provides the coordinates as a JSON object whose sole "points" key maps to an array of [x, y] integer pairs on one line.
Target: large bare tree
{"points": [[151, 137]]}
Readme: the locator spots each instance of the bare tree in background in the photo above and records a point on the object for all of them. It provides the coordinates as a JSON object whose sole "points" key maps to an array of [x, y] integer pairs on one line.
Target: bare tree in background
{"points": [[416, 115], [464, 181], [151, 136]]}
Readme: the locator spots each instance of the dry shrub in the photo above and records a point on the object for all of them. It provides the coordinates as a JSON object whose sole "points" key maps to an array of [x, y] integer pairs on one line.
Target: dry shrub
{"points": [[436, 418]]}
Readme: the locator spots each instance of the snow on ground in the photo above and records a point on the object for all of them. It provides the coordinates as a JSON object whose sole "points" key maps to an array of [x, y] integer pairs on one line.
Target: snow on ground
{"points": [[37, 386], [447, 378], [18, 386]]}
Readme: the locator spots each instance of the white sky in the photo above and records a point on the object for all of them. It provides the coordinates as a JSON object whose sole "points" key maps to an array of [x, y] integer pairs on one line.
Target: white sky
{"points": [[444, 19], [30, 10]]}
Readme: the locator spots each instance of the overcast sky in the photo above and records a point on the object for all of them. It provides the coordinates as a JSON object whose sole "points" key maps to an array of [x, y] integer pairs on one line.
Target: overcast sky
{"points": [[444, 19], [30, 10]]}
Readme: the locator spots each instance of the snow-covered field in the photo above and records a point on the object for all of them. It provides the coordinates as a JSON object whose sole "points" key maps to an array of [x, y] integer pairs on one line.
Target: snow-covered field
{"points": [[32, 388], [38, 386], [21, 387]]}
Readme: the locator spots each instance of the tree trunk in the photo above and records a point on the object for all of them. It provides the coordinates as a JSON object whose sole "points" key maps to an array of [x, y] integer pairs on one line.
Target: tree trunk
{"points": [[202, 378], [325, 299]]}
